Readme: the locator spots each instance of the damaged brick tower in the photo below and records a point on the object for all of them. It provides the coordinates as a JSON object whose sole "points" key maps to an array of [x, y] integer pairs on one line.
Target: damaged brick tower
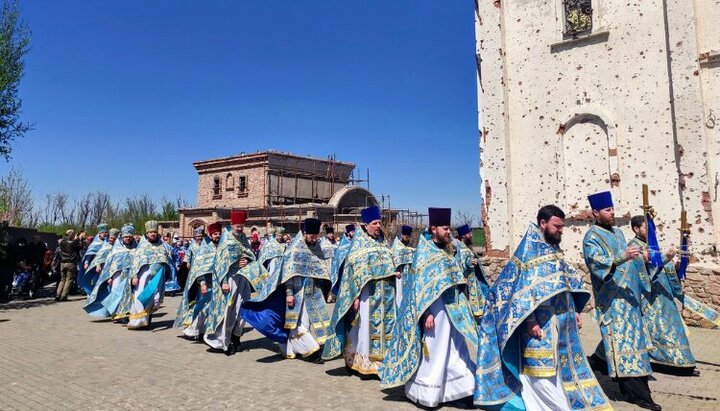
{"points": [[579, 96]]}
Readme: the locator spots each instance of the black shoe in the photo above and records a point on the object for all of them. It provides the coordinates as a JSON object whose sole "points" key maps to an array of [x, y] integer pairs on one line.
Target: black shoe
{"points": [[647, 405], [188, 337], [316, 358], [695, 373], [233, 348], [57, 298]]}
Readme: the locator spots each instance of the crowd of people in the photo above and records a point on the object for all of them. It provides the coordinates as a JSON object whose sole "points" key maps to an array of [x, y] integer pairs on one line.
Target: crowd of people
{"points": [[27, 266], [422, 316]]}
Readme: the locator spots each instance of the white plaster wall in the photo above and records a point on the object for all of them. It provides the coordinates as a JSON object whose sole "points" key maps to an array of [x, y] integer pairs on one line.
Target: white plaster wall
{"points": [[494, 156], [694, 161], [708, 34], [624, 80]]}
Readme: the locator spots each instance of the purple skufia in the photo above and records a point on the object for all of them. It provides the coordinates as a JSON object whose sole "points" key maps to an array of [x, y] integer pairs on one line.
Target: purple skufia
{"points": [[439, 217]]}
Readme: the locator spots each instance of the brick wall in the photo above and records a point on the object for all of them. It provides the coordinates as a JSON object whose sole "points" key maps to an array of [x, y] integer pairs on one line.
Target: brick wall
{"points": [[229, 195], [703, 283]]}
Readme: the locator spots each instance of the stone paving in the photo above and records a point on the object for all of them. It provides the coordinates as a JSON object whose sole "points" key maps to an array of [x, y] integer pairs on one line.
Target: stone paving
{"points": [[55, 357]]}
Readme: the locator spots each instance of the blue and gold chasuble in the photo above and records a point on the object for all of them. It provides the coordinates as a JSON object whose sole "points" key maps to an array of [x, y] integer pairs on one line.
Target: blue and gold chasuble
{"points": [[328, 247], [437, 275], [87, 278], [478, 287], [193, 302], [192, 250], [171, 283], [369, 263], [230, 251], [338, 263], [618, 286], [664, 323], [313, 267], [402, 260], [155, 258], [538, 282], [265, 311], [102, 255], [402, 254], [104, 300], [271, 250], [490, 387]]}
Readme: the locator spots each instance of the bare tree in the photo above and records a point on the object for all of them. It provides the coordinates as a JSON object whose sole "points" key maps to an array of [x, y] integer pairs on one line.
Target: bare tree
{"points": [[83, 206], [16, 201], [100, 207], [65, 210], [464, 216], [139, 208]]}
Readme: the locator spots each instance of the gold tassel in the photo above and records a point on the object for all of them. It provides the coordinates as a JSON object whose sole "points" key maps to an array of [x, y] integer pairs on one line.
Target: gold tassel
{"points": [[426, 352]]}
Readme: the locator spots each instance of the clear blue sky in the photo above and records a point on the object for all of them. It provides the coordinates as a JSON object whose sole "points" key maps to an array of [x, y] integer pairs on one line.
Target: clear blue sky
{"points": [[125, 95]]}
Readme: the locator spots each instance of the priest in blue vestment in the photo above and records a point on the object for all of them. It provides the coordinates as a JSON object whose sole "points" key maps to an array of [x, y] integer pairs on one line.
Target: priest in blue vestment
{"points": [[304, 270], [364, 315], [436, 345], [670, 350], [402, 259], [265, 311], [88, 274], [151, 264], [338, 262], [538, 299], [101, 290], [196, 295], [619, 278], [232, 284], [477, 285]]}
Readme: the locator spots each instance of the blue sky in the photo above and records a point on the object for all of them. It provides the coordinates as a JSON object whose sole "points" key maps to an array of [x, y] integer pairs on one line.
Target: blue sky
{"points": [[125, 95]]}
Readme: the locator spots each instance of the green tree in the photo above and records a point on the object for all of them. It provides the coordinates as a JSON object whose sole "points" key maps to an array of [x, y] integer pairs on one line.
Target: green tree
{"points": [[14, 45]]}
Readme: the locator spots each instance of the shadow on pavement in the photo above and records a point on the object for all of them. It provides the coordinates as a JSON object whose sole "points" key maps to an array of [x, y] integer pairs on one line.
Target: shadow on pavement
{"points": [[397, 394], [259, 343], [707, 363], [20, 304], [339, 372], [45, 296], [270, 359], [101, 321], [161, 325]]}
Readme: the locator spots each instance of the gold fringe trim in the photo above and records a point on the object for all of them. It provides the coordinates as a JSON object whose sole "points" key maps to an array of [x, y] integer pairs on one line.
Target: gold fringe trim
{"points": [[539, 372]]}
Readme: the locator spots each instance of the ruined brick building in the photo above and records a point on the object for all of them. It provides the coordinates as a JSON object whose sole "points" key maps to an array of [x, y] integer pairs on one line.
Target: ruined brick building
{"points": [[278, 189], [579, 96]]}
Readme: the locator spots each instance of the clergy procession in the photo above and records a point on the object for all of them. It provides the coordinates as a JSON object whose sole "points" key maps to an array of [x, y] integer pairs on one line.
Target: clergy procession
{"points": [[421, 316]]}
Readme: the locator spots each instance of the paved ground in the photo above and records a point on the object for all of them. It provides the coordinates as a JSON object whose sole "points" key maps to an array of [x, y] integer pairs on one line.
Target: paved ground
{"points": [[54, 356]]}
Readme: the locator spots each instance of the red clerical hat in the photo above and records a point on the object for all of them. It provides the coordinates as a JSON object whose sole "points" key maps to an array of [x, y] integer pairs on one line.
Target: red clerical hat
{"points": [[238, 217], [214, 228]]}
